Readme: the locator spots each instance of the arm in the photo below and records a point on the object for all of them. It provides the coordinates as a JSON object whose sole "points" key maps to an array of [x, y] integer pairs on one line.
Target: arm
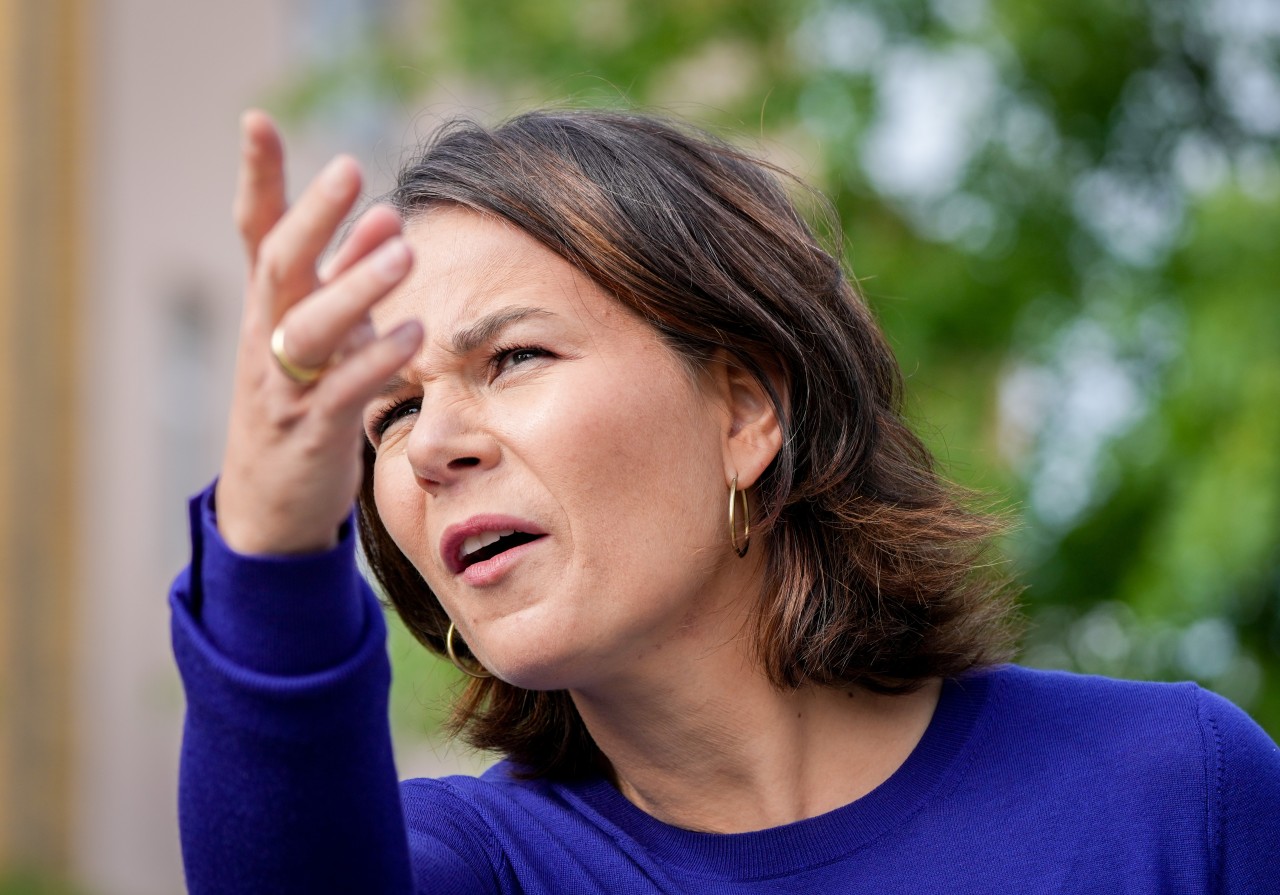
{"points": [[287, 780]]}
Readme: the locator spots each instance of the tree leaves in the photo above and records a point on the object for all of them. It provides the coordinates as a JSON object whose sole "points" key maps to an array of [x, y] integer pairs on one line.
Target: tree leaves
{"points": [[1064, 215]]}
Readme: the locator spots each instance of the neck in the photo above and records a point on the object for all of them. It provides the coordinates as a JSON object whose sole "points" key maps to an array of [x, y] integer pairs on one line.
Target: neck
{"points": [[706, 742]]}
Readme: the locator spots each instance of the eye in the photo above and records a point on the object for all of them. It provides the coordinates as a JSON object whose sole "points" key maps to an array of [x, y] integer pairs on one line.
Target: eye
{"points": [[505, 359], [387, 417]]}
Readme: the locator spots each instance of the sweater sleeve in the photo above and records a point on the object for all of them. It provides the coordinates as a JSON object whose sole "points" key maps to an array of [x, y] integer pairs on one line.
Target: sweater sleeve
{"points": [[1243, 767], [287, 782]]}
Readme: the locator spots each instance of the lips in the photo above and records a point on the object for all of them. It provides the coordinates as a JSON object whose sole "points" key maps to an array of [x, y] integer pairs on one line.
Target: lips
{"points": [[482, 539]]}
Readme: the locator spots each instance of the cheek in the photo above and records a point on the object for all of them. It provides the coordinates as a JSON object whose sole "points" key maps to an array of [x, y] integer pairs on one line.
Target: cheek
{"points": [[399, 502], [634, 461]]}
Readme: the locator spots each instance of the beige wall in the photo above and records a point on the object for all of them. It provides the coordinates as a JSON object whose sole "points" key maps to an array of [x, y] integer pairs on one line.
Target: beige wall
{"points": [[8, 252], [162, 280], [40, 274]]}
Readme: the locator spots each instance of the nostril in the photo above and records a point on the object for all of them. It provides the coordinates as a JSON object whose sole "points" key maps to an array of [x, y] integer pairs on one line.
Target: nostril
{"points": [[464, 462]]}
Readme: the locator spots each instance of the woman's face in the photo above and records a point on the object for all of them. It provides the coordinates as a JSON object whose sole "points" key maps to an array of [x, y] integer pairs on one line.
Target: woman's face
{"points": [[543, 416]]}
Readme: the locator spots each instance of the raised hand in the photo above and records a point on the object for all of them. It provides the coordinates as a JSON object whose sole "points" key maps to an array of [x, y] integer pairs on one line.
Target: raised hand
{"points": [[308, 357]]}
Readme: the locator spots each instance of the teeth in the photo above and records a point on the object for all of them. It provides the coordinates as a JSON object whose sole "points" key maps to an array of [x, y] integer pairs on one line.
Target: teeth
{"points": [[484, 539]]}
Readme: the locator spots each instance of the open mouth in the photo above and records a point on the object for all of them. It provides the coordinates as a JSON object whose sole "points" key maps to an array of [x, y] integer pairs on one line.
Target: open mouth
{"points": [[481, 547]]}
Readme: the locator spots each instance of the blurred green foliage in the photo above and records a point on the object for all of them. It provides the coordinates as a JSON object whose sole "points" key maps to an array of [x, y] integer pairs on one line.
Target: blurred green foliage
{"points": [[1064, 215], [33, 884], [423, 685]]}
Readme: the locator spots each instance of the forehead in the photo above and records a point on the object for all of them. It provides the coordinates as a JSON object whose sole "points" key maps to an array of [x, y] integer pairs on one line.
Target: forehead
{"points": [[466, 263]]}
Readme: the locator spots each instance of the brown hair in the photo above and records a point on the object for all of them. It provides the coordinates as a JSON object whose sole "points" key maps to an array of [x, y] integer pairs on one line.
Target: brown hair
{"points": [[874, 571]]}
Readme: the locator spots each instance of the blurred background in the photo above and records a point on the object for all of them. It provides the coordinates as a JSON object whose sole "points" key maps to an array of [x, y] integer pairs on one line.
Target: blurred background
{"points": [[1064, 214]]}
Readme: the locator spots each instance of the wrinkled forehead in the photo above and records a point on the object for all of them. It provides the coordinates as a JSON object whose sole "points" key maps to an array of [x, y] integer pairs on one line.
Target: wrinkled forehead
{"points": [[467, 255], [467, 265]]}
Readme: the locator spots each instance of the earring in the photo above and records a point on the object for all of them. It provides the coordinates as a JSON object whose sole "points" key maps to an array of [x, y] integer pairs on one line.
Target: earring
{"points": [[477, 670], [746, 519]]}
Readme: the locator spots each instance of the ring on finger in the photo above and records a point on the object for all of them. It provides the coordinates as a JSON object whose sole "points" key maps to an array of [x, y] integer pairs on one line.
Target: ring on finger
{"points": [[295, 371]]}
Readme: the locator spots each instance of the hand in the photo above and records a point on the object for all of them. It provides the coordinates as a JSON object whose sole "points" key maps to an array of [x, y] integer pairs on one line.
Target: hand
{"points": [[292, 465]]}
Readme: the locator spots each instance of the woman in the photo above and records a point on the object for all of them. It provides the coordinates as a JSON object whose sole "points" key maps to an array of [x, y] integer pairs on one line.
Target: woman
{"points": [[633, 456]]}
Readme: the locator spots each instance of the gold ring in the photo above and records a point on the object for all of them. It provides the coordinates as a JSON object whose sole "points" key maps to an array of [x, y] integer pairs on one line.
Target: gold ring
{"points": [[299, 374]]}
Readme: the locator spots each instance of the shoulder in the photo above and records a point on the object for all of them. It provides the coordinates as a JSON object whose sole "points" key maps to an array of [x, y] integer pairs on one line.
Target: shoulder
{"points": [[1175, 755], [1067, 737], [1238, 743], [499, 790], [491, 806], [1243, 771], [1151, 745], [1129, 720], [522, 835], [1104, 716], [451, 842], [490, 829], [1081, 705]]}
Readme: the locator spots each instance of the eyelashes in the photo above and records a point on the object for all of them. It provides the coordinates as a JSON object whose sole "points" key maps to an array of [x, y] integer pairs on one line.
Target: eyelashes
{"points": [[389, 414], [501, 361]]}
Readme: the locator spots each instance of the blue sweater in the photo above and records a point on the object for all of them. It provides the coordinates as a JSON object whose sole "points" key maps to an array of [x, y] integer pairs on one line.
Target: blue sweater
{"points": [[1025, 781]]}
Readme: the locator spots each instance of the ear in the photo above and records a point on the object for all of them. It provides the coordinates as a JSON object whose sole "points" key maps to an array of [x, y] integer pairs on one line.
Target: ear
{"points": [[752, 435]]}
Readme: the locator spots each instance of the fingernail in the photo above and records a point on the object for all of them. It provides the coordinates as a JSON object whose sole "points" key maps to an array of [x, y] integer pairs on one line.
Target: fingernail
{"points": [[392, 260], [335, 176], [407, 334]]}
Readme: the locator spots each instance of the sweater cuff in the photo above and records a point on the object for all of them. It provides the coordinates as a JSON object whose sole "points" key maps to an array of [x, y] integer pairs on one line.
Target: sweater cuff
{"points": [[277, 615]]}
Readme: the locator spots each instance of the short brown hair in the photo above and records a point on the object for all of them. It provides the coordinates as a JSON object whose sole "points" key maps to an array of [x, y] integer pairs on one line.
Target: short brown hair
{"points": [[874, 565]]}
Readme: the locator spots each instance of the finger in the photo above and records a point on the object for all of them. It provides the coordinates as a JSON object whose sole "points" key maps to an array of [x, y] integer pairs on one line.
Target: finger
{"points": [[316, 328], [286, 269], [360, 335], [353, 382], [375, 227], [260, 192]]}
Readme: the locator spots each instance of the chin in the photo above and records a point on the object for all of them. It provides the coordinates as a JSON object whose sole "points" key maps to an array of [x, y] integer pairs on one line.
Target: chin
{"points": [[529, 665], [525, 643], [534, 675]]}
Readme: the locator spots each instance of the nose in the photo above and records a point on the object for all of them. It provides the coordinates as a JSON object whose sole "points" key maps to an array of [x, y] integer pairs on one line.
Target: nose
{"points": [[448, 445]]}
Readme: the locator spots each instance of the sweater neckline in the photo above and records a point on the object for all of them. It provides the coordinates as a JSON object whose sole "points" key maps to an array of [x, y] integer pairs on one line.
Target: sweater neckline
{"points": [[818, 840]]}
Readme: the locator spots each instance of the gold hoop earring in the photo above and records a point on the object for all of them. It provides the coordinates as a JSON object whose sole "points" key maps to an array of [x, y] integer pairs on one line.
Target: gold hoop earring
{"points": [[457, 663], [746, 518]]}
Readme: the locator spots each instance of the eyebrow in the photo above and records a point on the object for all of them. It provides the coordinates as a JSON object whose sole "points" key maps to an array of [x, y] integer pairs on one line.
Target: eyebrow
{"points": [[485, 329], [467, 340]]}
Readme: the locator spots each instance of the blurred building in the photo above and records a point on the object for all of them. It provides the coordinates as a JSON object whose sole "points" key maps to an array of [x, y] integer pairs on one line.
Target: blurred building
{"points": [[40, 214], [120, 279]]}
